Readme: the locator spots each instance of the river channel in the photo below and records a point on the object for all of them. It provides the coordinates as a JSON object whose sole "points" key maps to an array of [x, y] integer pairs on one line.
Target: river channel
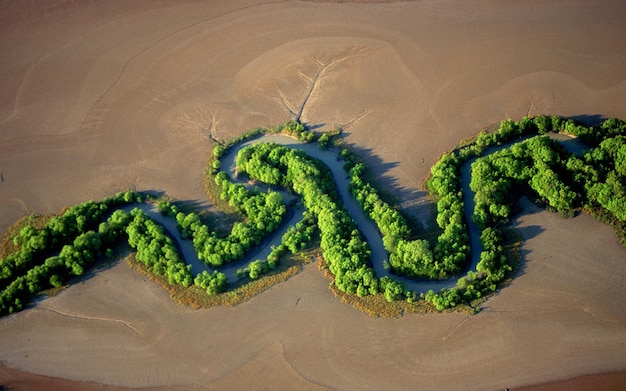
{"points": [[366, 226]]}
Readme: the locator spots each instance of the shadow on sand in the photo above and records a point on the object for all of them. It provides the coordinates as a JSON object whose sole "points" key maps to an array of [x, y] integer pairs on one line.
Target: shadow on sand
{"points": [[414, 204], [588, 119]]}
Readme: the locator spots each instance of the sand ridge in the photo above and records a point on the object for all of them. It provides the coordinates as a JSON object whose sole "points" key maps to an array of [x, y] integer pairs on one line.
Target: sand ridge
{"points": [[97, 99]]}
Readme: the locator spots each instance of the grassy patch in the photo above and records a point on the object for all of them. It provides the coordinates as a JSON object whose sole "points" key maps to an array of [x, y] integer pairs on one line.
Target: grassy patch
{"points": [[237, 293], [377, 306], [37, 221]]}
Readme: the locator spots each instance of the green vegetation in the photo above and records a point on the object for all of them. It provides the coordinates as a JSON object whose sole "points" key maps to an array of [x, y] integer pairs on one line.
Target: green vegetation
{"points": [[263, 211], [48, 252], [49, 256], [342, 246], [539, 166], [41, 257], [414, 258], [155, 249]]}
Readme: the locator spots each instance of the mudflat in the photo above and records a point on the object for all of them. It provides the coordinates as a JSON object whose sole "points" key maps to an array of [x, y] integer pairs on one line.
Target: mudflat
{"points": [[100, 97]]}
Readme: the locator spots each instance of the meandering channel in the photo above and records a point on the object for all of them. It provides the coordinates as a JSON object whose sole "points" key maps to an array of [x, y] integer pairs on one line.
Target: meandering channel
{"points": [[358, 268], [332, 160], [367, 227]]}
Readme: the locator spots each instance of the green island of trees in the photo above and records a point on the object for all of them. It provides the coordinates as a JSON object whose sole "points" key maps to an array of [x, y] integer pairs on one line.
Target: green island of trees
{"points": [[45, 253]]}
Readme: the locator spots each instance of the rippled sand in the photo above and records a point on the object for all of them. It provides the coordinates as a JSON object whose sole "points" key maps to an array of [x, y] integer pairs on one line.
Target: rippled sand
{"points": [[100, 97]]}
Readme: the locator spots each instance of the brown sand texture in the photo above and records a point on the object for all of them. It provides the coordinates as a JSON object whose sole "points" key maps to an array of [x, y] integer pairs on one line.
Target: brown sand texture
{"points": [[98, 97]]}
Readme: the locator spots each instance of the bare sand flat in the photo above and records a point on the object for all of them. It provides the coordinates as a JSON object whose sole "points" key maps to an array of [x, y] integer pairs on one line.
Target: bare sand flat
{"points": [[100, 97]]}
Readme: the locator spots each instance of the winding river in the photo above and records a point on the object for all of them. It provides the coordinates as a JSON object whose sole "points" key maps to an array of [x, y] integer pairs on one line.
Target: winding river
{"points": [[367, 227]]}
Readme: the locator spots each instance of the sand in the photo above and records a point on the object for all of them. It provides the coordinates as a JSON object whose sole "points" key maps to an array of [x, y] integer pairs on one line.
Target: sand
{"points": [[100, 97]]}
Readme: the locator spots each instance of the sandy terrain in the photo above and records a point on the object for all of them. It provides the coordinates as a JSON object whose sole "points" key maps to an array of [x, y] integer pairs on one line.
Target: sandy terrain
{"points": [[98, 97]]}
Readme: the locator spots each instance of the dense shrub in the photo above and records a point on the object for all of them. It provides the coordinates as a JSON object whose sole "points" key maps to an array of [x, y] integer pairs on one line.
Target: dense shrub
{"points": [[344, 250]]}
